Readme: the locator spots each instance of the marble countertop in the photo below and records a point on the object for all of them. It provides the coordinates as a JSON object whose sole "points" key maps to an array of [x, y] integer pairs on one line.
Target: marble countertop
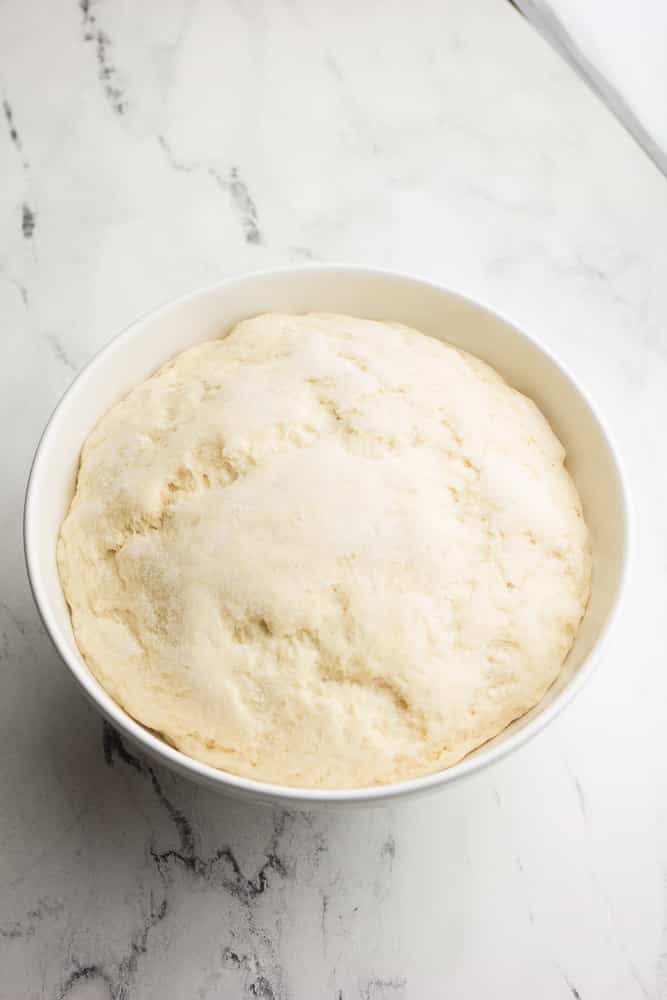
{"points": [[150, 148]]}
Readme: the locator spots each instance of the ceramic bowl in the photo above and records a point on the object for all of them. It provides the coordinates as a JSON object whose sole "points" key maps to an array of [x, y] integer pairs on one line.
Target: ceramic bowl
{"points": [[134, 354]]}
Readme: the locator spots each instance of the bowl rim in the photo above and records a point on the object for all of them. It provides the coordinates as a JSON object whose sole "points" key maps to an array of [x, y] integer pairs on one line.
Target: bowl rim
{"points": [[225, 781]]}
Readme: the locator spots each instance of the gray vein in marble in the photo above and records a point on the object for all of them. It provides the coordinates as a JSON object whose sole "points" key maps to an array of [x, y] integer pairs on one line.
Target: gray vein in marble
{"points": [[28, 221], [20, 626], [578, 790], [256, 982], [324, 906], [376, 989], [520, 206], [300, 253], [114, 748], [120, 980], [138, 947], [615, 269], [388, 850], [599, 280], [59, 351], [84, 973], [573, 989], [634, 972], [28, 217], [165, 53], [580, 796], [18, 285], [320, 845], [245, 206], [222, 867], [363, 124], [106, 71], [333, 67], [16, 930], [13, 132], [232, 185], [21, 289], [618, 934], [26, 928], [15, 624], [220, 870]]}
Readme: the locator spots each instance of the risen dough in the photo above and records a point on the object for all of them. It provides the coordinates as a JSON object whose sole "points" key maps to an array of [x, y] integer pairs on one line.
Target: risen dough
{"points": [[325, 552]]}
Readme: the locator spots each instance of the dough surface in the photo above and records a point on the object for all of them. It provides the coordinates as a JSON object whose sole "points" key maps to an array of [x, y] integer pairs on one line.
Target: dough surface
{"points": [[325, 552]]}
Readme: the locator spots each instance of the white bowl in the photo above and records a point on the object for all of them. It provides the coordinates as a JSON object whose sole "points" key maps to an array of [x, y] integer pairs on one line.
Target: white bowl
{"points": [[135, 354]]}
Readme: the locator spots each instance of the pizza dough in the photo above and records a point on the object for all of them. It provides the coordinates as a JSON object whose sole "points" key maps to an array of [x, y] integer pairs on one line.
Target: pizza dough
{"points": [[325, 552]]}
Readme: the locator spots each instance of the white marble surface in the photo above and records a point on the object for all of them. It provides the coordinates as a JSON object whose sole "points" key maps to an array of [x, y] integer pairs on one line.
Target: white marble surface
{"points": [[150, 148], [619, 48]]}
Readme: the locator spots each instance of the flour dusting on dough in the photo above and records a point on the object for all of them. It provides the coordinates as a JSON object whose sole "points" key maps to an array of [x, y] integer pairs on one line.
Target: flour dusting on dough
{"points": [[325, 552]]}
